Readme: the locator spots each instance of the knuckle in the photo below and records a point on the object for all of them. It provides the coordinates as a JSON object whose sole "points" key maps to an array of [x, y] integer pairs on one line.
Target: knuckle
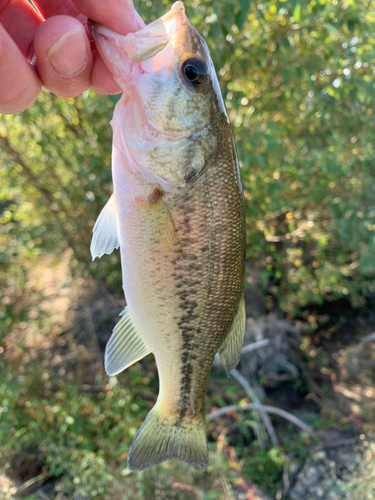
{"points": [[68, 89], [16, 100]]}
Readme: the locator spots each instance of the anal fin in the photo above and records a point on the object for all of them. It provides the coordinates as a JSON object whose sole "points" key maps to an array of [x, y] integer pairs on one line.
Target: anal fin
{"points": [[104, 238], [230, 349], [125, 347]]}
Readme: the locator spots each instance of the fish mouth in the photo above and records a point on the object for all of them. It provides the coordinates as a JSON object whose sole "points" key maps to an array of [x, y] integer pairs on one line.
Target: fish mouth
{"points": [[150, 40], [168, 22]]}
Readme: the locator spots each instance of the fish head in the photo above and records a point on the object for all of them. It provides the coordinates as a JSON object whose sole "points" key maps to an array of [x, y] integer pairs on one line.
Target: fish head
{"points": [[168, 120]]}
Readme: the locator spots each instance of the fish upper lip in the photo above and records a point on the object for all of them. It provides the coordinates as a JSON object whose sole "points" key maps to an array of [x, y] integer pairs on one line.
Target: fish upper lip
{"points": [[97, 28], [176, 8]]}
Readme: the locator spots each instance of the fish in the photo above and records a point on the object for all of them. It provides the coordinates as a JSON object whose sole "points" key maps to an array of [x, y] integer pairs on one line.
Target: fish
{"points": [[177, 214]]}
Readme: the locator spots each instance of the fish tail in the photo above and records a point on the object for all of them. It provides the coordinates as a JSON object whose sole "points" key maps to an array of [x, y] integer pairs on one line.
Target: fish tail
{"points": [[160, 439]]}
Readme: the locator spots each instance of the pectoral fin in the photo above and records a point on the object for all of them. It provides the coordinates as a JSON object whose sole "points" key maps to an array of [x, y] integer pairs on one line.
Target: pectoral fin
{"points": [[161, 227], [104, 238], [125, 347], [230, 349]]}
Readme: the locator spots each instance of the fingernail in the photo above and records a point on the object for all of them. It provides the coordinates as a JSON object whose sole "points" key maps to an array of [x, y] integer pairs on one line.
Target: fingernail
{"points": [[68, 55]]}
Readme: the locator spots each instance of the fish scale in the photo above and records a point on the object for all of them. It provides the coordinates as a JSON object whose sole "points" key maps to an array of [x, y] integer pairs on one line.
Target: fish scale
{"points": [[178, 213], [222, 253]]}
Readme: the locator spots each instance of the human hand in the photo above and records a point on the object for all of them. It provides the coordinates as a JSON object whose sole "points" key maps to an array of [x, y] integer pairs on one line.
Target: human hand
{"points": [[67, 63]]}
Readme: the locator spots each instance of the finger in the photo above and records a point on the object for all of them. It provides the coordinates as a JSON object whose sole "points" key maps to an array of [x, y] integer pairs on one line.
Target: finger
{"points": [[140, 22], [118, 15], [102, 81], [19, 84], [50, 8], [63, 56], [21, 21]]}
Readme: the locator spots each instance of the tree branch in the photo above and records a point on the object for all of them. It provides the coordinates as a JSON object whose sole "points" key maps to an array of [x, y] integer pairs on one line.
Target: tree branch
{"points": [[300, 231], [268, 409], [47, 194], [255, 345], [257, 405]]}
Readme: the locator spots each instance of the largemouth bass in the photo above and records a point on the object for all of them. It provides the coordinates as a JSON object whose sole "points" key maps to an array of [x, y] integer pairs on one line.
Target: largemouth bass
{"points": [[177, 214]]}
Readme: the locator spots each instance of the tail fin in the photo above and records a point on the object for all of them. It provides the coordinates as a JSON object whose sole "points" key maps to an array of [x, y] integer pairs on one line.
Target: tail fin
{"points": [[162, 439]]}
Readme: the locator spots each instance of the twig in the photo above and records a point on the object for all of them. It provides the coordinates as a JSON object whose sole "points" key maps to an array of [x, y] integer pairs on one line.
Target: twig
{"points": [[188, 488], [258, 406], [342, 442], [307, 375], [368, 338], [90, 388], [32, 485], [236, 466], [288, 236], [12, 440], [255, 345], [268, 409]]}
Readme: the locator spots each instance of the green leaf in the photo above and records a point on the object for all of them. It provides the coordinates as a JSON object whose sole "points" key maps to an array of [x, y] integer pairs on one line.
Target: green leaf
{"points": [[211, 495], [332, 29], [297, 13]]}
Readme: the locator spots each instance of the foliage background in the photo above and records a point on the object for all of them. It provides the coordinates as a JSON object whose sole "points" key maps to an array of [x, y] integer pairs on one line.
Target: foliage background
{"points": [[298, 82]]}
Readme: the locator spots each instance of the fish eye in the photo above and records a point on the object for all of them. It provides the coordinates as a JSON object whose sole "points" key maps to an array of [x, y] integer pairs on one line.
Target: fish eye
{"points": [[193, 69]]}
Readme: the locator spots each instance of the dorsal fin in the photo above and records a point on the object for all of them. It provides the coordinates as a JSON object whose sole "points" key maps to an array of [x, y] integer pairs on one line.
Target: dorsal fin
{"points": [[104, 238], [125, 347]]}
